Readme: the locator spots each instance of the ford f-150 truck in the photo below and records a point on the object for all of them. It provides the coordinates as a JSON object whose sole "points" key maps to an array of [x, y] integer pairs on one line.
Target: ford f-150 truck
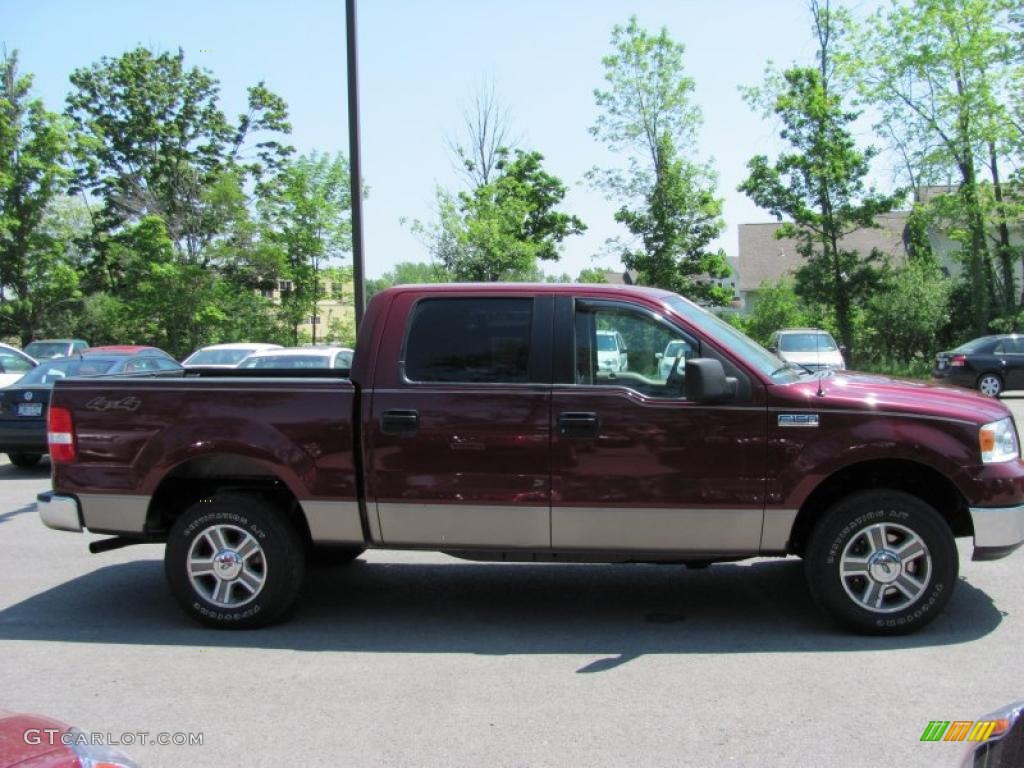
{"points": [[477, 421]]}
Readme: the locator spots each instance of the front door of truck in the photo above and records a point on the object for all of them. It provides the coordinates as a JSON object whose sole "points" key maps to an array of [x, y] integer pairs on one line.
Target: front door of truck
{"points": [[638, 467], [459, 440]]}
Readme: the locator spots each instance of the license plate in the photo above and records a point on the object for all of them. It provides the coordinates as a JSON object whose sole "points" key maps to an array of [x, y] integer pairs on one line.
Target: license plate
{"points": [[30, 409]]}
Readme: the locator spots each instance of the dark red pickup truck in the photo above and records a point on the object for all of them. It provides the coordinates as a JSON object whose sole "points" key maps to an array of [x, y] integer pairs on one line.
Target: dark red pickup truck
{"points": [[489, 422]]}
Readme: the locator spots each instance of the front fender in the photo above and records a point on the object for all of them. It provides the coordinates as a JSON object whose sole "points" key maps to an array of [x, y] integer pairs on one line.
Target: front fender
{"points": [[801, 458]]}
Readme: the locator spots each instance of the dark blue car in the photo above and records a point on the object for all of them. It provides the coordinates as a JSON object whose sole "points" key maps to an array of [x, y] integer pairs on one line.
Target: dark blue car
{"points": [[23, 404]]}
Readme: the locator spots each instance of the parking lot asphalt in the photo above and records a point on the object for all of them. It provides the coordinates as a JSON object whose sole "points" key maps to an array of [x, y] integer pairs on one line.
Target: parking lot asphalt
{"points": [[420, 659]]}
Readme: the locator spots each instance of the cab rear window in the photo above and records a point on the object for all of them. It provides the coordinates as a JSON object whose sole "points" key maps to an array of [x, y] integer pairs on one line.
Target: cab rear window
{"points": [[470, 340]]}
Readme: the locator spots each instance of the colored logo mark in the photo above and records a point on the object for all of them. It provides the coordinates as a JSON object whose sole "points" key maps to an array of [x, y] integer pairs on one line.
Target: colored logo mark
{"points": [[958, 730]]}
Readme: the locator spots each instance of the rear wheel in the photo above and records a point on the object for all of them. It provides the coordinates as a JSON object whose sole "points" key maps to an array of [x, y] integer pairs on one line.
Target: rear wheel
{"points": [[990, 384], [882, 562], [25, 460], [234, 561]]}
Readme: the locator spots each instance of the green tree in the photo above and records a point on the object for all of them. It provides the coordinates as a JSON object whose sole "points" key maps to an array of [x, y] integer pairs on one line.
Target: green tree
{"points": [[150, 139], [36, 277], [905, 318], [778, 306], [819, 185], [668, 199], [936, 71], [501, 230], [306, 217], [592, 275], [407, 273]]}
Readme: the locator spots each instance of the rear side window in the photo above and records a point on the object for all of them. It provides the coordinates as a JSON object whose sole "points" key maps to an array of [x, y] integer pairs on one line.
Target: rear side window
{"points": [[470, 341], [1010, 347]]}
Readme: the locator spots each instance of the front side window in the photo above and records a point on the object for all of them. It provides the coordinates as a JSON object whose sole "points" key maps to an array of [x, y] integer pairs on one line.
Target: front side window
{"points": [[645, 354], [470, 340]]}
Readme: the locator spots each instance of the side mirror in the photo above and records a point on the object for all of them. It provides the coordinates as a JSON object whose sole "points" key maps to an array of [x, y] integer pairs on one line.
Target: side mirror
{"points": [[706, 381], [773, 348], [842, 351], [658, 355]]}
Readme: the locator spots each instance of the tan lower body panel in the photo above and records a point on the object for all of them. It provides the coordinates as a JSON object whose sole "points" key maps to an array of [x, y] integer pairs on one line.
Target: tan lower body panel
{"points": [[778, 526], [720, 531], [333, 522], [464, 525], [114, 513]]}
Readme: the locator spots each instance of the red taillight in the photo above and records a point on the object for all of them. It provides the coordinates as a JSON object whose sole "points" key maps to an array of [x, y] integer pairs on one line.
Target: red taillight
{"points": [[60, 435], [958, 361]]}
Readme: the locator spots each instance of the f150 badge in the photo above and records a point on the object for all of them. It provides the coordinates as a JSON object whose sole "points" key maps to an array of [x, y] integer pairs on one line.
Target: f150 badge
{"points": [[102, 404], [798, 419]]}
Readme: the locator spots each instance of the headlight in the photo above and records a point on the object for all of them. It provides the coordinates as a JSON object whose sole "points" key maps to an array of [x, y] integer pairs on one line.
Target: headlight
{"points": [[998, 441]]}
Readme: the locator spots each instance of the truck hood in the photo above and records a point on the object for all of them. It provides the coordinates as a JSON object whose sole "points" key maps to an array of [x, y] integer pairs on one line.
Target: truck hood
{"points": [[874, 393]]}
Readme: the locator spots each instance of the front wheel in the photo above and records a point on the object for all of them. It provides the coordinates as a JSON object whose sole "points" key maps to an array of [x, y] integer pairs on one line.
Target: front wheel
{"points": [[882, 562], [234, 561], [990, 384]]}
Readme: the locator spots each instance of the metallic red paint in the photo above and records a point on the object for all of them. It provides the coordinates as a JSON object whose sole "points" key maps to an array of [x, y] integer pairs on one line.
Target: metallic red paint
{"points": [[499, 445]]}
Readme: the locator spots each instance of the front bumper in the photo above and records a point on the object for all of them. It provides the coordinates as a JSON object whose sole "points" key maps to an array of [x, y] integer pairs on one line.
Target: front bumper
{"points": [[998, 531], [59, 512]]}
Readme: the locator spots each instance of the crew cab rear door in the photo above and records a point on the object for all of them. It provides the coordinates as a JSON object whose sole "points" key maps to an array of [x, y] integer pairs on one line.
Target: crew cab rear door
{"points": [[636, 466], [458, 434]]}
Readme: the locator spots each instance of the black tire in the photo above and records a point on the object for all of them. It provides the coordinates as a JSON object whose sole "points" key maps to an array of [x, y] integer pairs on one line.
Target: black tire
{"points": [[990, 384], [844, 537], [25, 460], [323, 556], [276, 565]]}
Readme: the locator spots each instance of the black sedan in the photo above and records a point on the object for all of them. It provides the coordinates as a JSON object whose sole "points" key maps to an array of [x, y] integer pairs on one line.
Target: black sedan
{"points": [[23, 404], [990, 364]]}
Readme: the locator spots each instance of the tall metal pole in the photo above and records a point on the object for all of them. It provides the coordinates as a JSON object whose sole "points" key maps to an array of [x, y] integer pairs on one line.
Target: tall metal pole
{"points": [[355, 163]]}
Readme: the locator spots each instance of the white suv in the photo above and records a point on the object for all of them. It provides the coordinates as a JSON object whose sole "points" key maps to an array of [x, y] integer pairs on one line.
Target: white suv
{"points": [[811, 348], [612, 354]]}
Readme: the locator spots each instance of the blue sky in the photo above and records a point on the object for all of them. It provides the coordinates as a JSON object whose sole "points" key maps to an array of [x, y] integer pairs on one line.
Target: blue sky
{"points": [[420, 64]]}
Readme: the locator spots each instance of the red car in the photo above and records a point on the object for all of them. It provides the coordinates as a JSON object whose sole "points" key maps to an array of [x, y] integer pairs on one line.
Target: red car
{"points": [[34, 741]]}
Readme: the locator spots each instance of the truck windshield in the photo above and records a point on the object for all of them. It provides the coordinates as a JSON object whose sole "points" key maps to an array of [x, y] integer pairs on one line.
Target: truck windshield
{"points": [[606, 342], [736, 342]]}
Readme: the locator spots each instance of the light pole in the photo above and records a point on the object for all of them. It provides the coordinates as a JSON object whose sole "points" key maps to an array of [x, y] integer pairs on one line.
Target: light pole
{"points": [[355, 164]]}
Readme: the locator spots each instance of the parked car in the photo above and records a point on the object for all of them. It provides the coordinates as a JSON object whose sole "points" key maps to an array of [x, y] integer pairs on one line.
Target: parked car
{"points": [[224, 355], [300, 357], [23, 405], [677, 349], [989, 364], [612, 353], [810, 348], [1004, 745], [35, 741], [476, 422], [47, 349], [14, 364]]}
